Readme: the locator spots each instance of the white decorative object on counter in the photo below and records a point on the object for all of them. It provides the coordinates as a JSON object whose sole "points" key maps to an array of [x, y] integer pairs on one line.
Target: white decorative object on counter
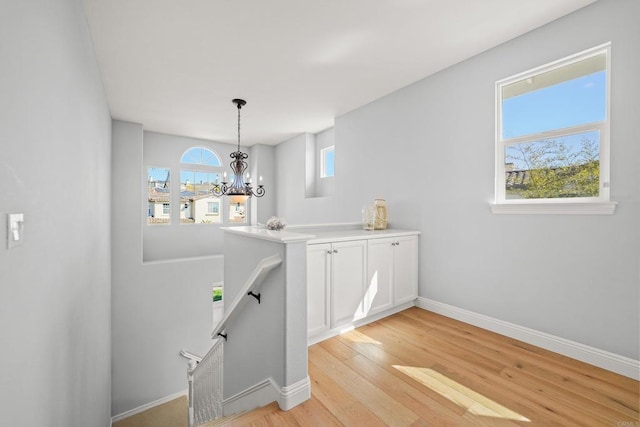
{"points": [[275, 223]]}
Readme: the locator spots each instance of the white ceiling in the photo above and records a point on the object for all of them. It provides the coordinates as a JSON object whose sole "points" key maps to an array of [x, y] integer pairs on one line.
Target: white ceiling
{"points": [[175, 65]]}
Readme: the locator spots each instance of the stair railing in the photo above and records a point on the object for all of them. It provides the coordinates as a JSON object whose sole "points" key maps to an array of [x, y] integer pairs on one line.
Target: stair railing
{"points": [[205, 374]]}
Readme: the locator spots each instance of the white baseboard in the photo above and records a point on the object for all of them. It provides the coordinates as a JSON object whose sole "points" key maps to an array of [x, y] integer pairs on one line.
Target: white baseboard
{"points": [[265, 392], [259, 395], [253, 397], [603, 359], [295, 394], [147, 406]]}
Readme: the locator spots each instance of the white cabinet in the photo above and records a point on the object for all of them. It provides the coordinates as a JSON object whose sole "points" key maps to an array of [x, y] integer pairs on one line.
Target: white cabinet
{"points": [[405, 269], [379, 288], [392, 272], [347, 281], [335, 284], [318, 287], [350, 280]]}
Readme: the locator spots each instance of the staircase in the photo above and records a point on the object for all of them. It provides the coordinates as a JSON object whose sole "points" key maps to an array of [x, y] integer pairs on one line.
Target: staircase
{"points": [[205, 375]]}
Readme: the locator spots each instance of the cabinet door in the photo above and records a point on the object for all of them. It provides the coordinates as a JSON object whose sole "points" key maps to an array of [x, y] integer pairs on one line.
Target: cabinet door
{"points": [[348, 278], [405, 269], [379, 286], [318, 274]]}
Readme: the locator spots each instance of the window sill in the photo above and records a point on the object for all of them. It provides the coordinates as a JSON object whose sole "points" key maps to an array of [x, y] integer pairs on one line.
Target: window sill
{"points": [[594, 208]]}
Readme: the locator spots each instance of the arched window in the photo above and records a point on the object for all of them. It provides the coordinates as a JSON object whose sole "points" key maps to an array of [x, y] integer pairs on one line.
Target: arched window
{"points": [[201, 156]]}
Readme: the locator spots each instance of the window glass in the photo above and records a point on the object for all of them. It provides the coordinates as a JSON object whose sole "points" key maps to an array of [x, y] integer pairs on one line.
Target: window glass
{"points": [[201, 156], [158, 195], [328, 162], [553, 130], [560, 104], [198, 205], [562, 167]]}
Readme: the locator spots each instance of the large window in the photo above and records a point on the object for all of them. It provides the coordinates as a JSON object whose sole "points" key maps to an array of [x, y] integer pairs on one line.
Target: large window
{"points": [[197, 203], [552, 133]]}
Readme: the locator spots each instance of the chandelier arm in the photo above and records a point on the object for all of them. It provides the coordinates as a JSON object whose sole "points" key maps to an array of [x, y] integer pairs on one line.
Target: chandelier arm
{"points": [[259, 192], [220, 190]]}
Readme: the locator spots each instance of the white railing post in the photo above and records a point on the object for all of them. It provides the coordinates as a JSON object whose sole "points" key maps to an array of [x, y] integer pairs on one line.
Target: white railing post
{"points": [[192, 366], [207, 386]]}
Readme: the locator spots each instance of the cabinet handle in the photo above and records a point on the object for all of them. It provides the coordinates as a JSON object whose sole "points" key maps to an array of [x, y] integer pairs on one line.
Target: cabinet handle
{"points": [[329, 252], [335, 251]]}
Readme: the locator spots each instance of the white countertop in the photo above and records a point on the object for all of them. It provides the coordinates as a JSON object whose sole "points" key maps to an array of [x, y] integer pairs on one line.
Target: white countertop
{"points": [[281, 236], [326, 236], [319, 234]]}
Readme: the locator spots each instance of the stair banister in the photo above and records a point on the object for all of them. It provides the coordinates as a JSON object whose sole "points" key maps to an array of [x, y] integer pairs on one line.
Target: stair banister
{"points": [[252, 284], [205, 373]]}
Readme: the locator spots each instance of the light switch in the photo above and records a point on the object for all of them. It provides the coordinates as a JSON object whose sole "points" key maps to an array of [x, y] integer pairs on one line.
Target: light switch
{"points": [[15, 228]]}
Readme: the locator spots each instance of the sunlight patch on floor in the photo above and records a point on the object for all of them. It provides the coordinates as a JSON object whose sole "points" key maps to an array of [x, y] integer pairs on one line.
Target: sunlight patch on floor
{"points": [[475, 403], [356, 336]]}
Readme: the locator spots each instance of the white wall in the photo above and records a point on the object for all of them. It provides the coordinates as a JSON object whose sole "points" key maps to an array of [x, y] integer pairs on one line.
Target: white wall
{"points": [[159, 307], [262, 163], [291, 200], [428, 149], [55, 363]]}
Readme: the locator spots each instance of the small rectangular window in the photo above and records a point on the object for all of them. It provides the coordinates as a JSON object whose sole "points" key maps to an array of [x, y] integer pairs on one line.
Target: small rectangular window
{"points": [[158, 195], [552, 132], [327, 166]]}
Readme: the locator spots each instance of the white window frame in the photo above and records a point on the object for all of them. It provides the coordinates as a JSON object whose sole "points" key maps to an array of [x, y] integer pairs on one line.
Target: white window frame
{"points": [[323, 159], [578, 205], [152, 206], [208, 169]]}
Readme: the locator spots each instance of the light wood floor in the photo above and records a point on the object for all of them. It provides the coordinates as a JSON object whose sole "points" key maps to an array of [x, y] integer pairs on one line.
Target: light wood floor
{"points": [[417, 368]]}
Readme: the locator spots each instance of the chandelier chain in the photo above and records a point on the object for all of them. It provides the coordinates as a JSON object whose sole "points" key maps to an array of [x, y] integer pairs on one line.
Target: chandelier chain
{"points": [[238, 127]]}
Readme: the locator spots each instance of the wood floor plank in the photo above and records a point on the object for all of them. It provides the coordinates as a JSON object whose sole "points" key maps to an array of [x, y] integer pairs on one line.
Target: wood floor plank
{"points": [[418, 368], [415, 351], [414, 398], [313, 413], [407, 329], [410, 355], [346, 408], [377, 401], [383, 359], [608, 389], [608, 396], [570, 401], [589, 372]]}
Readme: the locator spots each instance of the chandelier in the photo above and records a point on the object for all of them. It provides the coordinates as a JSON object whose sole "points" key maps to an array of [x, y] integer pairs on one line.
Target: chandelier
{"points": [[240, 188]]}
